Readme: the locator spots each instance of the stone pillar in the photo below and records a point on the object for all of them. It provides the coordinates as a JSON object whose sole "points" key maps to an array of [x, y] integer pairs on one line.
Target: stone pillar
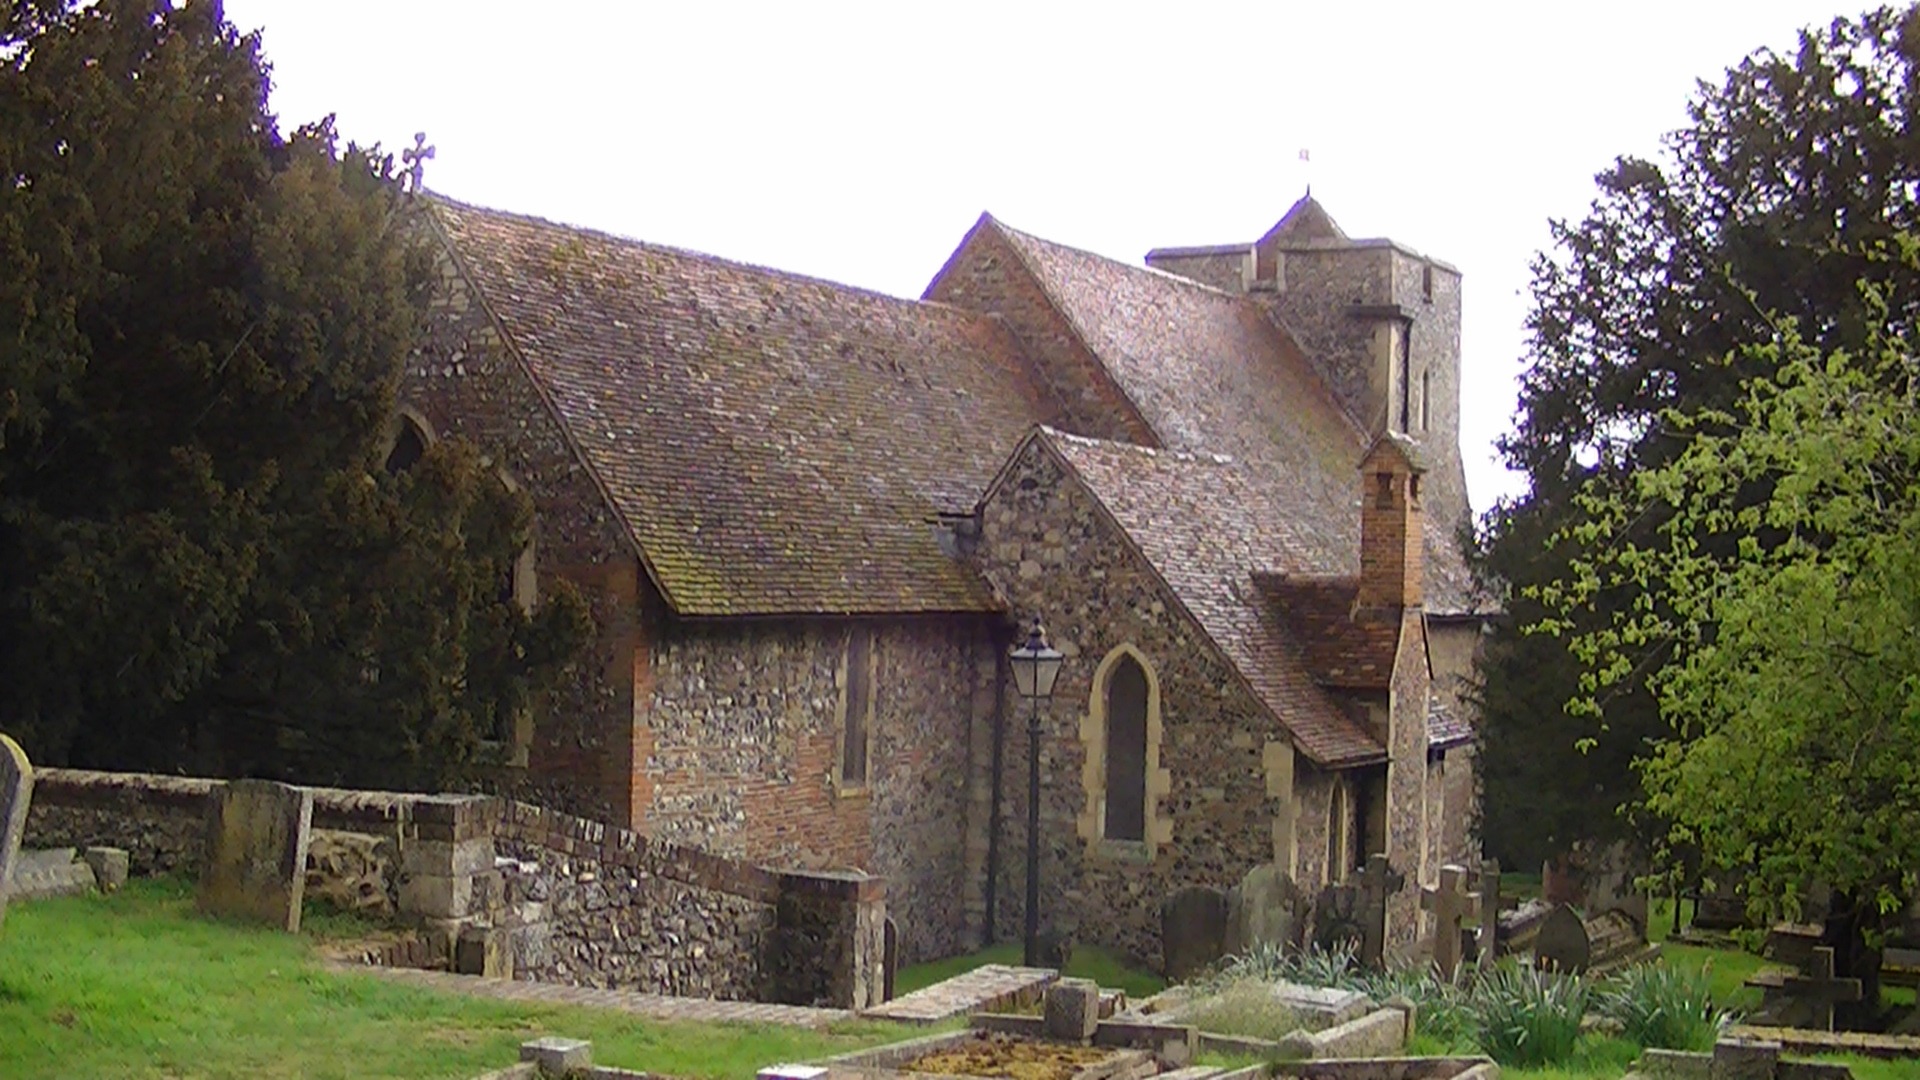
{"points": [[829, 941], [447, 874]]}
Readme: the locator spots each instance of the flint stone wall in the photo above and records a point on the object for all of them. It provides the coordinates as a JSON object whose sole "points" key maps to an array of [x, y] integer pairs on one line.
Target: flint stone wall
{"points": [[581, 901], [744, 725]]}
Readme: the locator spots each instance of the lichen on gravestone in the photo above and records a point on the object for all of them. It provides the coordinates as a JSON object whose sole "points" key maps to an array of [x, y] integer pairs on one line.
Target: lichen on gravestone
{"points": [[16, 792]]}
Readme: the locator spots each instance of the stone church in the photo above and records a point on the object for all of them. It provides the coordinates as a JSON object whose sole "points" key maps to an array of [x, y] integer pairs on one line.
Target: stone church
{"points": [[812, 519]]}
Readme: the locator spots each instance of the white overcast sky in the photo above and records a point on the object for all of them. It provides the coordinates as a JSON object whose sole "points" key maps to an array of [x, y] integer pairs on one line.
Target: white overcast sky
{"points": [[858, 142]]}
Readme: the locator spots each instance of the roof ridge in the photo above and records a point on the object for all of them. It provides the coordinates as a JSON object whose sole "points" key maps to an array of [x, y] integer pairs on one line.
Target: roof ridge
{"points": [[700, 256], [1142, 268]]}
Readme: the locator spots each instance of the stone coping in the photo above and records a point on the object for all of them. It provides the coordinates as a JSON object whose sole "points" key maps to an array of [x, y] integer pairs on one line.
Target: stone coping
{"points": [[1811, 1041], [444, 817]]}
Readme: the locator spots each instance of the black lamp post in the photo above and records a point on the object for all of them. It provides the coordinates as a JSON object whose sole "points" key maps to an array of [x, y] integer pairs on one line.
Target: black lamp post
{"points": [[1035, 667]]}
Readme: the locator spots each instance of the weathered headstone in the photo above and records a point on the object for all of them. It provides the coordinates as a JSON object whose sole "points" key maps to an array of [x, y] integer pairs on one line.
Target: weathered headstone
{"points": [[1611, 874], [1488, 889], [109, 867], [257, 834], [1263, 910], [1337, 919], [1449, 903], [889, 958], [1561, 944], [1193, 931], [1819, 991], [1071, 1010], [1722, 903], [16, 791], [1377, 882], [38, 875]]}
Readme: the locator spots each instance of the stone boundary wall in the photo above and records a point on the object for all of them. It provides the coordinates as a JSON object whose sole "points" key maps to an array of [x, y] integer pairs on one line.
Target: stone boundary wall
{"points": [[555, 897]]}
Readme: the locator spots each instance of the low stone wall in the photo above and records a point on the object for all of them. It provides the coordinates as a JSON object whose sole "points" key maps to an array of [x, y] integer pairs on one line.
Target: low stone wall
{"points": [[576, 901]]}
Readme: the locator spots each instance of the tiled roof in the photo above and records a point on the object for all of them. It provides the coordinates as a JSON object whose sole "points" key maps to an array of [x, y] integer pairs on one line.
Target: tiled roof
{"points": [[1211, 372], [1445, 728], [1340, 647], [1205, 523], [774, 443]]}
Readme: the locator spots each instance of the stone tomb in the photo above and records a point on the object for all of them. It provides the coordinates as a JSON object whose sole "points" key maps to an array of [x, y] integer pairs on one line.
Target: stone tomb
{"points": [[16, 791], [1321, 1006], [257, 834]]}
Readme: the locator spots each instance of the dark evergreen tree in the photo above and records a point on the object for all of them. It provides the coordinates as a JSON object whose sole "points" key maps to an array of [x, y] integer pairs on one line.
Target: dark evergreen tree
{"points": [[202, 327], [1765, 208]]}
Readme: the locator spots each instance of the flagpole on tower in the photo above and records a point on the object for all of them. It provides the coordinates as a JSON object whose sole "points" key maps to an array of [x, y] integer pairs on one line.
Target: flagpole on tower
{"points": [[1306, 169]]}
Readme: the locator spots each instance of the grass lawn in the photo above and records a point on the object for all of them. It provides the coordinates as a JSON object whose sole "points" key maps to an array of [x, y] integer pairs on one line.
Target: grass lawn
{"points": [[1088, 963], [136, 985]]}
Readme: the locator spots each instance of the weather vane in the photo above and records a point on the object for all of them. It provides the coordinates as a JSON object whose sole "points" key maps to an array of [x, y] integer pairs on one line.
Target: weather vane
{"points": [[416, 160], [1306, 169]]}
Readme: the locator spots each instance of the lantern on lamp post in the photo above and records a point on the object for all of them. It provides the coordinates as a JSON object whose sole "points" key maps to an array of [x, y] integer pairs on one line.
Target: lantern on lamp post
{"points": [[1035, 667]]}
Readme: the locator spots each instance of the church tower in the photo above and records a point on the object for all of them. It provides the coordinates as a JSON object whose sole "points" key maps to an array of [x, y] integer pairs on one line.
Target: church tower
{"points": [[1380, 321]]}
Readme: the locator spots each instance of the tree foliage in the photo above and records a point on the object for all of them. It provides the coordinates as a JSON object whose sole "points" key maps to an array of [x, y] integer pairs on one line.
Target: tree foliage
{"points": [[202, 330], [1790, 172], [1788, 555]]}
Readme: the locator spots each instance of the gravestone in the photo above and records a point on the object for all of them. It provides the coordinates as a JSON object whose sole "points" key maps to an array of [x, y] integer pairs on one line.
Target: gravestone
{"points": [[1377, 882], [1450, 903], [1722, 903], [1193, 931], [1263, 910], [109, 867], [889, 958], [1818, 991], [1337, 919], [16, 791], [1609, 885], [1487, 943], [1561, 944], [257, 834]]}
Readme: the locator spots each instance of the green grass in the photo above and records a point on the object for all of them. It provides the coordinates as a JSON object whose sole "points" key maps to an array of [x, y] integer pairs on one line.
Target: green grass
{"points": [[136, 985], [1088, 962]]}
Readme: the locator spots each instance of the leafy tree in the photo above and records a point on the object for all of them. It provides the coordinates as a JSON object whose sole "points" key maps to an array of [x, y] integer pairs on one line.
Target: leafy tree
{"points": [[1789, 173], [202, 327], [1788, 555]]}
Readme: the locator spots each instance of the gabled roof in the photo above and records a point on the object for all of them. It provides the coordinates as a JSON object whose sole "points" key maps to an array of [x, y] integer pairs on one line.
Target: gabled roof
{"points": [[1205, 524], [774, 444], [1211, 372]]}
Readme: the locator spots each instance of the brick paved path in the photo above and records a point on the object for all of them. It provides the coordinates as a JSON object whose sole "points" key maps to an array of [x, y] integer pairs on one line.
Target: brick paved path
{"points": [[655, 1006], [981, 990]]}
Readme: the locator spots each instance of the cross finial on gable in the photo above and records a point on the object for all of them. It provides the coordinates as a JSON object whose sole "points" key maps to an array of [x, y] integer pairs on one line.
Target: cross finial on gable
{"points": [[416, 160]]}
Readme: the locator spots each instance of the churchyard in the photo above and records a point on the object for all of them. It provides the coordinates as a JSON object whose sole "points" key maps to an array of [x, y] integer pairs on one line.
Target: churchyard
{"points": [[251, 959]]}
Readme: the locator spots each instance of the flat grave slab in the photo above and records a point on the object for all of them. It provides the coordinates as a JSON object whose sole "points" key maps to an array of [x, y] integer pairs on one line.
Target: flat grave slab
{"points": [[988, 988]]}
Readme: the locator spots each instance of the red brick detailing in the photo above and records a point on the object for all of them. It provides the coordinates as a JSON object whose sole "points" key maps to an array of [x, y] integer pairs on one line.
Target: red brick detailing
{"points": [[1390, 528]]}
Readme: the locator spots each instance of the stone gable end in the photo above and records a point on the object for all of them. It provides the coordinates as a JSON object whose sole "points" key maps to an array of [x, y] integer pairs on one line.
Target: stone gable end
{"points": [[465, 382], [1052, 553]]}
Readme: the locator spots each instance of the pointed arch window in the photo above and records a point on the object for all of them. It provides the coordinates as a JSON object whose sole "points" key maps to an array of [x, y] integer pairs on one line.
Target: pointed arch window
{"points": [[1121, 772], [410, 439], [1126, 814]]}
